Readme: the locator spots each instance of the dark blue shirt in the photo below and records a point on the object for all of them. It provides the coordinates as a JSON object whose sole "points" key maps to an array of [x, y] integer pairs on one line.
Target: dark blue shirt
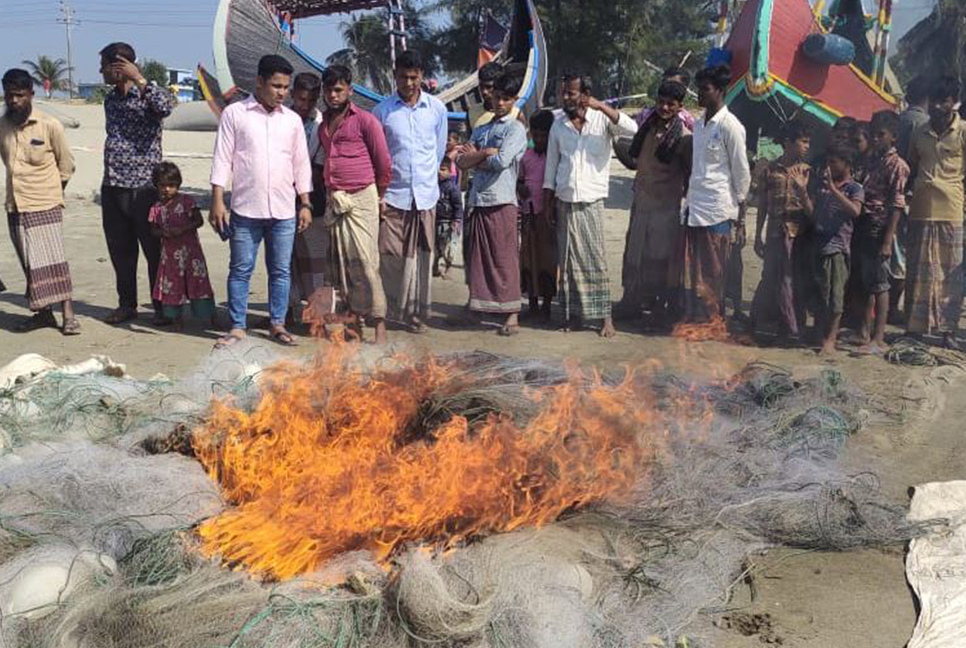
{"points": [[450, 205], [833, 225], [133, 145]]}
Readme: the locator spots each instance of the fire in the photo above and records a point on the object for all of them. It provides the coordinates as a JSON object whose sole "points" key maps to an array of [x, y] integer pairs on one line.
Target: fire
{"points": [[334, 459], [714, 331]]}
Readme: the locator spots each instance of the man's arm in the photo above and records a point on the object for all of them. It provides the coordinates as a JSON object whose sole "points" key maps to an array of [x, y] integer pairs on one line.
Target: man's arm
{"points": [[65, 159], [442, 132], [221, 171], [513, 147], [735, 141], [375, 140]]}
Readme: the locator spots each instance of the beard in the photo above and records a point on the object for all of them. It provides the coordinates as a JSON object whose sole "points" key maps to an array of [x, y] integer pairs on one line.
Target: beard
{"points": [[18, 115]]}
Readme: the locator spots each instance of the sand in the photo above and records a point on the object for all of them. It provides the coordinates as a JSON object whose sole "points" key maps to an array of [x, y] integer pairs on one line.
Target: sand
{"points": [[813, 599]]}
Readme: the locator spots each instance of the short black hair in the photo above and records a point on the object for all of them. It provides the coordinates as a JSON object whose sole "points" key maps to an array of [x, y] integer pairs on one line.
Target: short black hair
{"points": [[272, 64], [410, 60], [863, 128], [945, 87], [672, 90], [918, 89], [17, 79], [675, 71], [843, 152], [542, 121], [795, 130], [885, 120], [166, 173], [508, 84], [586, 83], [718, 76], [490, 72], [336, 74], [112, 51], [307, 82], [845, 124]]}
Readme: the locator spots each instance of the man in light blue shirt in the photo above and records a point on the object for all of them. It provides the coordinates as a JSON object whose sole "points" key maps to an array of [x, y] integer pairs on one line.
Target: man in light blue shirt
{"points": [[492, 250], [416, 129]]}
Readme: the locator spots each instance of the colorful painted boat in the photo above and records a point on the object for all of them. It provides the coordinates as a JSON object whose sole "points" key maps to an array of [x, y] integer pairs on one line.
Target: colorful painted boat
{"points": [[247, 29], [774, 79]]}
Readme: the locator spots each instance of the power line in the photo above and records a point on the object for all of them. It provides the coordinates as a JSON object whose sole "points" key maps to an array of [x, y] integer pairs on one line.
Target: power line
{"points": [[67, 13]]}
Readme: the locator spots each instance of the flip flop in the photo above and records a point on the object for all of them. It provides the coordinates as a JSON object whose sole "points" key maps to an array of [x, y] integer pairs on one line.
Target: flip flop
{"points": [[227, 341], [71, 327], [121, 315], [37, 321], [417, 328], [283, 337]]}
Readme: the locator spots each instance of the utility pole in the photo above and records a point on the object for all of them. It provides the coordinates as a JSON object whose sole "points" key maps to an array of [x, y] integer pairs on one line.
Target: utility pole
{"points": [[67, 18]]}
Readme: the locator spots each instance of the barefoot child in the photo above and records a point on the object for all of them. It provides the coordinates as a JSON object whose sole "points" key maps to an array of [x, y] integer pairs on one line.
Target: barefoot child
{"points": [[182, 273], [449, 218], [538, 252], [885, 199], [837, 204]]}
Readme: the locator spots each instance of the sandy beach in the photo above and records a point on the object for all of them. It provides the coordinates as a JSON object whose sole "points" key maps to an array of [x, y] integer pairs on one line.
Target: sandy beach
{"points": [[823, 600]]}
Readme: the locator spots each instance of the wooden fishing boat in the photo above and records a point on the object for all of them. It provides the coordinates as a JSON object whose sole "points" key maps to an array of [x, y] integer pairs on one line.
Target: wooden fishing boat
{"points": [[245, 30], [786, 65]]}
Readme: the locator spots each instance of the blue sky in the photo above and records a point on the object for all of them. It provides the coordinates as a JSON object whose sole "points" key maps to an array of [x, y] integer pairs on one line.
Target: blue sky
{"points": [[178, 32]]}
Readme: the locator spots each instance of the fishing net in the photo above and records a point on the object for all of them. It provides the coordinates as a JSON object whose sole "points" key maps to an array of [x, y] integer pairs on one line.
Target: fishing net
{"points": [[102, 497]]}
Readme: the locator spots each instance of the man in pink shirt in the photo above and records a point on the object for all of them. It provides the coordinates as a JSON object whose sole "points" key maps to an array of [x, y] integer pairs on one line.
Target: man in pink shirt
{"points": [[357, 172], [261, 151]]}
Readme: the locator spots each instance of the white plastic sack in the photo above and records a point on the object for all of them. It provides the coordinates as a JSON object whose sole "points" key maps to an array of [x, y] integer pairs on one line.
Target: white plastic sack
{"points": [[936, 566]]}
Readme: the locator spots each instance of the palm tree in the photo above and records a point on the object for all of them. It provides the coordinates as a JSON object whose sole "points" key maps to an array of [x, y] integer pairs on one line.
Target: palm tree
{"points": [[49, 73], [366, 52]]}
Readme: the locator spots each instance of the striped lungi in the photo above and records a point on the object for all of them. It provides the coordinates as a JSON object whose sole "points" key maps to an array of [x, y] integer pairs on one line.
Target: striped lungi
{"points": [[38, 239], [584, 282], [934, 284], [407, 241]]}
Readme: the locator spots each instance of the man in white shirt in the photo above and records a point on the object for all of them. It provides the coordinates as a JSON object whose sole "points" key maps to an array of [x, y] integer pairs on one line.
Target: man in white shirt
{"points": [[576, 183], [720, 179]]}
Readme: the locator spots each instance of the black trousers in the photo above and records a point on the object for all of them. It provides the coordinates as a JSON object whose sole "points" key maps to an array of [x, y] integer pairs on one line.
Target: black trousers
{"points": [[125, 220]]}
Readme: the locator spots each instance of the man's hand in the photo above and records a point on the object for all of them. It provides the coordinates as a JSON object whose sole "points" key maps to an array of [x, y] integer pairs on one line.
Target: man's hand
{"points": [[491, 152], [126, 69], [218, 216], [741, 234], [799, 178], [305, 218], [382, 208], [760, 248], [593, 102], [885, 251]]}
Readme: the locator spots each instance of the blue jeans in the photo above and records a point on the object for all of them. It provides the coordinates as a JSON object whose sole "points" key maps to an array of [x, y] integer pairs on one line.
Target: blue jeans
{"points": [[246, 236]]}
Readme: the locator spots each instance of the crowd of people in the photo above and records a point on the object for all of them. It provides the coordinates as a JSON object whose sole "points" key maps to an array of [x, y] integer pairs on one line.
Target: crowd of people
{"points": [[360, 210]]}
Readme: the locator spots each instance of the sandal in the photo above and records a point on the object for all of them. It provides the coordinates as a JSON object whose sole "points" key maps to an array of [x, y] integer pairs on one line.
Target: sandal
{"points": [[121, 315], [283, 337], [417, 328], [71, 327], [228, 341], [39, 320], [508, 331]]}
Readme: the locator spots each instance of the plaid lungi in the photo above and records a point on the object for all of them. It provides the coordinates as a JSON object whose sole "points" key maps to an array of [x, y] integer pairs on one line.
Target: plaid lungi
{"points": [[353, 224], [309, 262], [934, 284], [406, 246], [704, 272], [38, 239], [584, 282]]}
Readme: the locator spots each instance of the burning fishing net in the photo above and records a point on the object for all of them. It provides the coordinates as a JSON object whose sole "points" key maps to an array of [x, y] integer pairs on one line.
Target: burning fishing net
{"points": [[392, 501]]}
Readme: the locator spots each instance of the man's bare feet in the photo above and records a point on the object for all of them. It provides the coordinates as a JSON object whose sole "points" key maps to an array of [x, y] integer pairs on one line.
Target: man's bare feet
{"points": [[381, 336], [234, 337], [827, 348]]}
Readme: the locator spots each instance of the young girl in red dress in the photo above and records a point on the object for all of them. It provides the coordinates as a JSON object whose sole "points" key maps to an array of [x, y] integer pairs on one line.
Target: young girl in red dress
{"points": [[182, 274]]}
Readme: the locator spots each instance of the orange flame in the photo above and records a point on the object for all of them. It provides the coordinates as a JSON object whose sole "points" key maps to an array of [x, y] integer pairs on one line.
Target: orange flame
{"points": [[330, 461], [714, 331]]}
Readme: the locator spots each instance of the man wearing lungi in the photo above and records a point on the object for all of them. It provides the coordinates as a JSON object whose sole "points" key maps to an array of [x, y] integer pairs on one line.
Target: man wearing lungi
{"points": [[416, 127], [357, 173], [492, 250], [937, 157], [576, 184], [719, 186], [39, 164]]}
